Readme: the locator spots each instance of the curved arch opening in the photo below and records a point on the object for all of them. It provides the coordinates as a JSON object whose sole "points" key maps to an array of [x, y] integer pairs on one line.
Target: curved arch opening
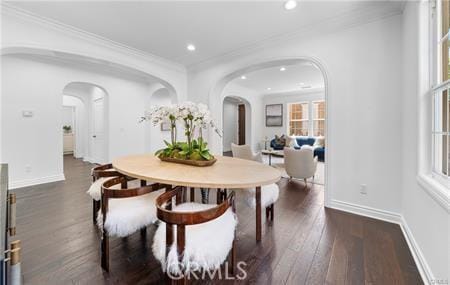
{"points": [[237, 122], [88, 104], [88, 60], [261, 134], [50, 74], [155, 135]]}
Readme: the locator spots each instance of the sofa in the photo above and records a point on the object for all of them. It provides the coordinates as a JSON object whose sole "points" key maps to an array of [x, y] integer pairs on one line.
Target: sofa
{"points": [[319, 151]]}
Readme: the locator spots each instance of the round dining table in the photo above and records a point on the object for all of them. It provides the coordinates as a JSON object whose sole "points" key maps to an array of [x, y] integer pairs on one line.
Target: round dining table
{"points": [[226, 173]]}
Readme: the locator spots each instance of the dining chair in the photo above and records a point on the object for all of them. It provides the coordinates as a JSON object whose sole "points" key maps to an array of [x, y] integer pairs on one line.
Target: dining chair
{"points": [[269, 196], [194, 236], [99, 175], [125, 211], [245, 152]]}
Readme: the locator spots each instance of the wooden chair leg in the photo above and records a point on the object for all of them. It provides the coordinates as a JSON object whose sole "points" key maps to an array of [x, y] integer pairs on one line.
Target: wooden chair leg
{"points": [[144, 232], [105, 251], [219, 195], [192, 195], [224, 194], [95, 209], [205, 195], [178, 198], [232, 265], [185, 194]]}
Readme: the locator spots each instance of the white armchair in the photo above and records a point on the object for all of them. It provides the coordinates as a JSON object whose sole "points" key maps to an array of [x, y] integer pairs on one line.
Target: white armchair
{"points": [[245, 152], [300, 163]]}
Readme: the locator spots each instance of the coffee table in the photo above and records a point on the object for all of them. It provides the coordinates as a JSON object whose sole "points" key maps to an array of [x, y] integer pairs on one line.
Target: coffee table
{"points": [[278, 153]]}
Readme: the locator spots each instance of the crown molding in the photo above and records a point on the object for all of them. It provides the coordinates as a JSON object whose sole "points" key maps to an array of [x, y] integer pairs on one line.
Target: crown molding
{"points": [[346, 21], [11, 10], [299, 92], [341, 22]]}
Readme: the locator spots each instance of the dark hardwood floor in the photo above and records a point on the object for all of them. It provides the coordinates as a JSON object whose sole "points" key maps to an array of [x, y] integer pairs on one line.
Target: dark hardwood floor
{"points": [[306, 244]]}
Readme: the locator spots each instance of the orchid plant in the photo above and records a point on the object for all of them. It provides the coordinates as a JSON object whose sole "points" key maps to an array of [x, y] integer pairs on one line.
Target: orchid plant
{"points": [[195, 118]]}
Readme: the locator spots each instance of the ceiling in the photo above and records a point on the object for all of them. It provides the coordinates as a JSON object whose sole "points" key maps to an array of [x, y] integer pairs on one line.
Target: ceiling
{"points": [[300, 77], [164, 28]]}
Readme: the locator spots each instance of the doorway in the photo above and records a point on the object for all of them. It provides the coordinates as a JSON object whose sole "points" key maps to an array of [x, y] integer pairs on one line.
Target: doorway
{"points": [[299, 87], [236, 122], [241, 124], [98, 132], [89, 127]]}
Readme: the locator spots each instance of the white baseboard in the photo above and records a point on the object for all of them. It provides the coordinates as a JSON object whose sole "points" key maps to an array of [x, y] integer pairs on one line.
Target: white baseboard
{"points": [[419, 258], [36, 181], [370, 212], [88, 159], [392, 217]]}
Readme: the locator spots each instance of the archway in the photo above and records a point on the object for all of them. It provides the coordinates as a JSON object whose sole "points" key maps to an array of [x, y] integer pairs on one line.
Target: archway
{"points": [[237, 123], [217, 92], [91, 59], [91, 140], [155, 135], [59, 69], [74, 126]]}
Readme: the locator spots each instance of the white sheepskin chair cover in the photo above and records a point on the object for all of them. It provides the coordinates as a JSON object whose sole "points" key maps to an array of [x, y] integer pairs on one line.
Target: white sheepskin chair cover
{"points": [[269, 195], [207, 244], [95, 190], [127, 215]]}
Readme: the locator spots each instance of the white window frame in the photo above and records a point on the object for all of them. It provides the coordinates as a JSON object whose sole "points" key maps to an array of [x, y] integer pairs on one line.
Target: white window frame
{"points": [[436, 85], [313, 119], [299, 120], [430, 182]]}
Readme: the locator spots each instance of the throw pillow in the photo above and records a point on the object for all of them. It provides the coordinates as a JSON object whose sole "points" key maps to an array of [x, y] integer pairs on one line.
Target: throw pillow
{"points": [[280, 141], [291, 142], [306, 146], [320, 142]]}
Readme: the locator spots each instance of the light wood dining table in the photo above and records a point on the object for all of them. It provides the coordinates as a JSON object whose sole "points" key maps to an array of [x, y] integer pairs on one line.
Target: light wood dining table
{"points": [[227, 173]]}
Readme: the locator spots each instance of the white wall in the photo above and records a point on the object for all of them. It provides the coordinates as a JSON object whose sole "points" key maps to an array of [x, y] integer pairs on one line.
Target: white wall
{"points": [[156, 136], [230, 124], [286, 99], [426, 220], [34, 152], [22, 33], [363, 74]]}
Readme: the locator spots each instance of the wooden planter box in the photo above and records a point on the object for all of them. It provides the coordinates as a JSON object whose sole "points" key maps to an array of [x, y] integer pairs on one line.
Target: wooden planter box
{"points": [[199, 163]]}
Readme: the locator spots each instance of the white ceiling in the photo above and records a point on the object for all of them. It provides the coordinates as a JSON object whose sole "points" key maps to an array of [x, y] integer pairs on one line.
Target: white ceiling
{"points": [[164, 28], [300, 77]]}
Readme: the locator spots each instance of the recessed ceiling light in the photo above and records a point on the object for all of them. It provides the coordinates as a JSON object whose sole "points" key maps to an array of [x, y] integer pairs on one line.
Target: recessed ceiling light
{"points": [[301, 83], [268, 88], [190, 47], [289, 5], [243, 77], [283, 68]]}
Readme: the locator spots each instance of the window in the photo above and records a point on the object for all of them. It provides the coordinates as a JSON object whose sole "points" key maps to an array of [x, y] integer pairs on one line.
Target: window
{"points": [[440, 67], [298, 119], [318, 118]]}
